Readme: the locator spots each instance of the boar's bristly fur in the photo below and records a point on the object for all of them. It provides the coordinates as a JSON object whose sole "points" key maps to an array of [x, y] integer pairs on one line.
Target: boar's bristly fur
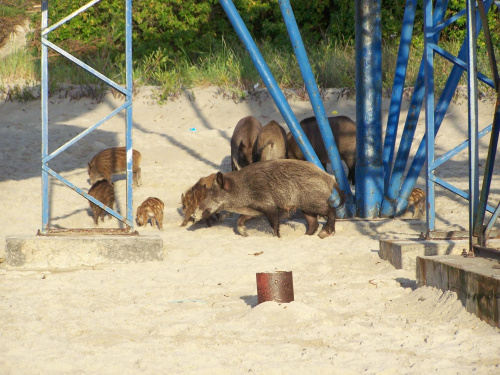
{"points": [[244, 135], [271, 143], [274, 188], [344, 133], [112, 161]]}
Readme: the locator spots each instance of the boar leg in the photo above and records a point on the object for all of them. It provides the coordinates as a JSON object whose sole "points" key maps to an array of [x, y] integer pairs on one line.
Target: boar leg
{"points": [[312, 223], [274, 220], [240, 224], [329, 226], [207, 221]]}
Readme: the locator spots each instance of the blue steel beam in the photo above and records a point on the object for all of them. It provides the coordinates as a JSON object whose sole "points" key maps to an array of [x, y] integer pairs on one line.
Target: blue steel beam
{"points": [[276, 94], [472, 117], [389, 204], [490, 159], [128, 113], [369, 165], [462, 146], [83, 194], [397, 90], [45, 120], [317, 104], [429, 112], [440, 110], [455, 190]]}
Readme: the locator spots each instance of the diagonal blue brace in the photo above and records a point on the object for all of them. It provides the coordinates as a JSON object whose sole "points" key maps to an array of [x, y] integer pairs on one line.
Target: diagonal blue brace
{"points": [[127, 106], [397, 90], [393, 189], [274, 90], [318, 108]]}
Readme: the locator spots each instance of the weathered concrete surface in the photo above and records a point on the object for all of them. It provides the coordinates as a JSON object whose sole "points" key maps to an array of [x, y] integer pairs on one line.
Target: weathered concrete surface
{"points": [[475, 280], [402, 254], [74, 251]]}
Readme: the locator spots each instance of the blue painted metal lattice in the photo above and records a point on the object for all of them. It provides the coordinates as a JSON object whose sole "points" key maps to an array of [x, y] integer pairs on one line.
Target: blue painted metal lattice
{"points": [[127, 106]]}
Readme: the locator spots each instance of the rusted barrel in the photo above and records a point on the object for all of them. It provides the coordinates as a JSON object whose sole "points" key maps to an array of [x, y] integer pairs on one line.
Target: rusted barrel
{"points": [[275, 286]]}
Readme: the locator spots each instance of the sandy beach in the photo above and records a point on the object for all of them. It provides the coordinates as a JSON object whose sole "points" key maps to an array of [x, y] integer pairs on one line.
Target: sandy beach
{"points": [[196, 312]]}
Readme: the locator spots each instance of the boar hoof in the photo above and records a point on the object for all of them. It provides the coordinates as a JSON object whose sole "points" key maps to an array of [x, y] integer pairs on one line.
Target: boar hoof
{"points": [[324, 233], [241, 230]]}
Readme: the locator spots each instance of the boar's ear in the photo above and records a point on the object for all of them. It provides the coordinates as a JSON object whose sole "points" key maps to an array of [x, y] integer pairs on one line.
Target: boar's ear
{"points": [[219, 179]]}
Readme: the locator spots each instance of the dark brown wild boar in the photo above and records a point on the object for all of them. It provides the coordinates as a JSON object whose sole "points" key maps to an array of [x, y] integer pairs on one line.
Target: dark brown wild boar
{"points": [[192, 198], [344, 133], [150, 209], [244, 136], [274, 188], [104, 192], [271, 143], [112, 161]]}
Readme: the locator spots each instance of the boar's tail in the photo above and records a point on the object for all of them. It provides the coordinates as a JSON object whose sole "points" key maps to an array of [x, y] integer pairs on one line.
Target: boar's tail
{"points": [[341, 196]]}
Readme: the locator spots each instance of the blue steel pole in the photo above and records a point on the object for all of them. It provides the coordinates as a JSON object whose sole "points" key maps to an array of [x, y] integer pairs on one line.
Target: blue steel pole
{"points": [[397, 90], [472, 107], [490, 159], [317, 104], [440, 110], [429, 112], [369, 166], [128, 132], [390, 200], [45, 121], [272, 86]]}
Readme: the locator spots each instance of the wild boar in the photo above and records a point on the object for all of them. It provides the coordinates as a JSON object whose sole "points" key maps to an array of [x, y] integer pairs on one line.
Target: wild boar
{"points": [[150, 210], [104, 192], [271, 143], [344, 133], [112, 161], [244, 136], [192, 198], [417, 202], [274, 188]]}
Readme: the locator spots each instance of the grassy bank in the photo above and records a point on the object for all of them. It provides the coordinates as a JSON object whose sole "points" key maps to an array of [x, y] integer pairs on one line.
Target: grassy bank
{"points": [[227, 66]]}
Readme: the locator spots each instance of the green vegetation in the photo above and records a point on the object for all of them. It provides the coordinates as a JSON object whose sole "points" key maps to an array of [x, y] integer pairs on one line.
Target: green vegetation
{"points": [[181, 44]]}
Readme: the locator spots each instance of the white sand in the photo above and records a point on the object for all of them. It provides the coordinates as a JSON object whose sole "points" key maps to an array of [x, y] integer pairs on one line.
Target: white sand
{"points": [[197, 312]]}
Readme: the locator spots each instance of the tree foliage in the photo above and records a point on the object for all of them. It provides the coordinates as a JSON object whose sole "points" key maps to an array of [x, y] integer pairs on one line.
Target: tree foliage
{"points": [[191, 27]]}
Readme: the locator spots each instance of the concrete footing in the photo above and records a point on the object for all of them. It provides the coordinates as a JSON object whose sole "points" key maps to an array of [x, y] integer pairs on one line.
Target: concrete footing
{"points": [[475, 280], [402, 254], [38, 252]]}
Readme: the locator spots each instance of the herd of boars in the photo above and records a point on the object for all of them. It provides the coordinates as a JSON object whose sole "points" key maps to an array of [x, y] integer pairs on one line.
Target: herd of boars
{"points": [[269, 177]]}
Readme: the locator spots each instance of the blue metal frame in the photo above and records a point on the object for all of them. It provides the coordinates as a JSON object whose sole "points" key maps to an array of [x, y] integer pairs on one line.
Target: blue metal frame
{"points": [[274, 90], [397, 90], [397, 194], [46, 156], [317, 105], [369, 163]]}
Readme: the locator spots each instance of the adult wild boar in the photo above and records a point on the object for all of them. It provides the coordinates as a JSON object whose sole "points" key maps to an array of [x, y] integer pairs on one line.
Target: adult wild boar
{"points": [[344, 133], [271, 143], [244, 136], [274, 188]]}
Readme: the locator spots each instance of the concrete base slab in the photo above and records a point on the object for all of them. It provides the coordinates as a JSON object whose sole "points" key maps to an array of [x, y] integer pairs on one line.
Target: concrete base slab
{"points": [[475, 280], [402, 254], [74, 251]]}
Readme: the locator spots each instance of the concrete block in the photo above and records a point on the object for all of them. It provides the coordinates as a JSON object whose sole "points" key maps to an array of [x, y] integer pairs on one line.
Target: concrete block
{"points": [[402, 254], [475, 280], [74, 251]]}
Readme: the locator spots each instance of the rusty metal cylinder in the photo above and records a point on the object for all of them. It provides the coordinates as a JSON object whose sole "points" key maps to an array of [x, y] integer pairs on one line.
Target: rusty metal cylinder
{"points": [[275, 286]]}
